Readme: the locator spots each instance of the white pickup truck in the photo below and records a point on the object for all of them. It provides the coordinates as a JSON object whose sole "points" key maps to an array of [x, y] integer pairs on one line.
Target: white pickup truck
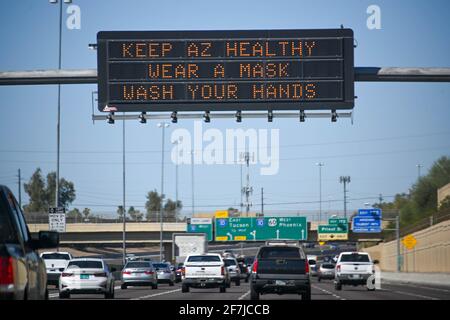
{"points": [[55, 263], [205, 271], [354, 268]]}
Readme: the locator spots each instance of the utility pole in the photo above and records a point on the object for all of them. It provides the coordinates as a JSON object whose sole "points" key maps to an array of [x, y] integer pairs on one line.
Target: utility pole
{"points": [[419, 166], [163, 126], [242, 203], [247, 190], [397, 233], [262, 202], [345, 180], [320, 164], [19, 182]]}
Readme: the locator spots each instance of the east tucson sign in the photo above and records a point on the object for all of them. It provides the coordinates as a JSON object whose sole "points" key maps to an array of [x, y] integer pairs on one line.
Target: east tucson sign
{"points": [[225, 70]]}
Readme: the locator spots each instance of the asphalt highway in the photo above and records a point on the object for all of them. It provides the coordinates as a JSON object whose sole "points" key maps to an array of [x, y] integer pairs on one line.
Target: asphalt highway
{"points": [[320, 291]]}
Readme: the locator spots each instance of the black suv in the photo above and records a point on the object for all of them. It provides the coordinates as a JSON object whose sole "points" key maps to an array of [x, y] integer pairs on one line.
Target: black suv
{"points": [[22, 271], [280, 268]]}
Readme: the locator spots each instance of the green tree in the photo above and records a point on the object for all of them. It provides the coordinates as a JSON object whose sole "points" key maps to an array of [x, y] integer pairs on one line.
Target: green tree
{"points": [[153, 206], [86, 213], [171, 210], [134, 214], [66, 191], [35, 189], [75, 214], [120, 212]]}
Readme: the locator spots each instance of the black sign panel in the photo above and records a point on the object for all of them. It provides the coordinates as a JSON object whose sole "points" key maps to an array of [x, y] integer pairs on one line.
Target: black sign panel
{"points": [[225, 70]]}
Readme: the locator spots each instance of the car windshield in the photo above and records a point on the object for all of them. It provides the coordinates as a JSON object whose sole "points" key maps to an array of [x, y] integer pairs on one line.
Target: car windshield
{"points": [[328, 266], [85, 264], [249, 260], [355, 257], [55, 256], [280, 252], [137, 265], [229, 262], [161, 265], [204, 259]]}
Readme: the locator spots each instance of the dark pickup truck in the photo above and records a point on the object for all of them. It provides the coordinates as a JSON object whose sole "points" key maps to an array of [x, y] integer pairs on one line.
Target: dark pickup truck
{"points": [[280, 269]]}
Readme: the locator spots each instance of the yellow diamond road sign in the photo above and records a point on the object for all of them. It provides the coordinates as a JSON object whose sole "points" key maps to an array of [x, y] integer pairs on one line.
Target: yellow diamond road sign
{"points": [[409, 241]]}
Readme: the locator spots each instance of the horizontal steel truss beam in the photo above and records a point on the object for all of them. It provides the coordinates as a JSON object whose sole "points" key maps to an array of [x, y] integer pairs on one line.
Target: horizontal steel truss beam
{"points": [[82, 76], [220, 115]]}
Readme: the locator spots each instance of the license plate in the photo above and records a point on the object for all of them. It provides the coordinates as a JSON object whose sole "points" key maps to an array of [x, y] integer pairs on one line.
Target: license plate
{"points": [[84, 276], [355, 276], [280, 282]]}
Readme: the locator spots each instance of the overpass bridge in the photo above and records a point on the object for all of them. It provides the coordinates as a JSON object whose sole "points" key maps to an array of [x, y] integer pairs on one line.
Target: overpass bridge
{"points": [[147, 232]]}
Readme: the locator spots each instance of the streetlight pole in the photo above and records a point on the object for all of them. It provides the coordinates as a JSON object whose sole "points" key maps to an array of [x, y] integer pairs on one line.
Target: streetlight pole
{"points": [[58, 125], [192, 182], [124, 210], [345, 180], [177, 143], [162, 125], [320, 164]]}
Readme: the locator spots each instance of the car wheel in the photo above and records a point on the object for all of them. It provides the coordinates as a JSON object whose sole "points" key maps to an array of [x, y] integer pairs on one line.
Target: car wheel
{"points": [[318, 279], [254, 295], [306, 295], [123, 286], [228, 285], [184, 288], [171, 283], [338, 286], [64, 295], [237, 282], [370, 289], [223, 289], [246, 279]]}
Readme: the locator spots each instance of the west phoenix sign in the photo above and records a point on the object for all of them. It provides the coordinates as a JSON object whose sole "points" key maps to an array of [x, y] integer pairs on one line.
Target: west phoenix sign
{"points": [[225, 70]]}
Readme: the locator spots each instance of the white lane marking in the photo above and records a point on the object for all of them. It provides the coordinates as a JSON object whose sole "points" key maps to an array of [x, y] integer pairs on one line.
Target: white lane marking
{"points": [[244, 295], [54, 295], [328, 292], [156, 294], [415, 286], [413, 295]]}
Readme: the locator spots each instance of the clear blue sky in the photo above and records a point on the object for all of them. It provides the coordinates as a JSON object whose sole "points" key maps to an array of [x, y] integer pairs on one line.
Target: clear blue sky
{"points": [[396, 125]]}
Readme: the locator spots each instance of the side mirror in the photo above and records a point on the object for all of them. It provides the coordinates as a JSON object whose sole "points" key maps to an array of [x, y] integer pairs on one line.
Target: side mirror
{"points": [[47, 239], [376, 262]]}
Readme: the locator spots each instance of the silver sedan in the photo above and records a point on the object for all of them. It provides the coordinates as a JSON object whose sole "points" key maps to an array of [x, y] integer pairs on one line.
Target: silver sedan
{"points": [[165, 274], [137, 273]]}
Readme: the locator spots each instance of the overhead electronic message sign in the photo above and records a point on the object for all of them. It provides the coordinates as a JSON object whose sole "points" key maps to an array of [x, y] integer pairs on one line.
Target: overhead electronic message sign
{"points": [[225, 70]]}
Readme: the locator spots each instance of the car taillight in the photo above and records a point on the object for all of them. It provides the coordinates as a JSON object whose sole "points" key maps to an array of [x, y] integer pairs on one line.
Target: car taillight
{"points": [[255, 266], [148, 272], [306, 267], [100, 274], [338, 268], [222, 270], [126, 272], [6, 271], [66, 274]]}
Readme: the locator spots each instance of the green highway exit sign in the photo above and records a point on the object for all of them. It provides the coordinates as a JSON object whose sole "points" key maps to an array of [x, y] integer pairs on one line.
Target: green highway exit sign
{"points": [[257, 229], [338, 221], [333, 229], [201, 225]]}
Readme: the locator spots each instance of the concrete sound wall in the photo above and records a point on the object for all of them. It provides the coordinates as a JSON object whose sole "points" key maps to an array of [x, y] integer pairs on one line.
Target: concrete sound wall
{"points": [[431, 253]]}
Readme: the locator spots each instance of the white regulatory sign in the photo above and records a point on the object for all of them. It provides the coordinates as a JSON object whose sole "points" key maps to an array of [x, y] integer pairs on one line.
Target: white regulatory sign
{"points": [[57, 222]]}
